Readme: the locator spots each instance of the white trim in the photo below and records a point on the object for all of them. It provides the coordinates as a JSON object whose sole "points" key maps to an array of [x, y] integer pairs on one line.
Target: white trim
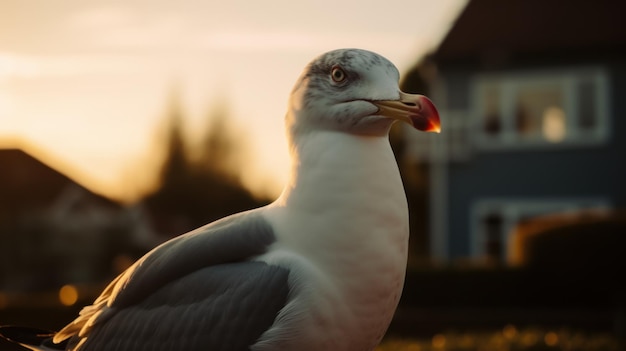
{"points": [[515, 209]]}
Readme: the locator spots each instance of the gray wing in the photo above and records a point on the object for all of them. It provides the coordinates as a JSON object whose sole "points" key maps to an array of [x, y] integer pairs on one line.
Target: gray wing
{"points": [[225, 307], [196, 289]]}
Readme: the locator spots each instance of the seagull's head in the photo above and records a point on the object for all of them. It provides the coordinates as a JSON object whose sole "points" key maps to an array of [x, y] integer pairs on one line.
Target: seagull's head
{"points": [[355, 91]]}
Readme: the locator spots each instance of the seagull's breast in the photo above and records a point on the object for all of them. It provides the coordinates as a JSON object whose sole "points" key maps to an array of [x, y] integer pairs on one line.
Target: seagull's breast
{"points": [[346, 246]]}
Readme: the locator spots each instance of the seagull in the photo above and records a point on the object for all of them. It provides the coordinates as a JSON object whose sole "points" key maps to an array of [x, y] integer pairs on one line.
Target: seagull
{"points": [[320, 268]]}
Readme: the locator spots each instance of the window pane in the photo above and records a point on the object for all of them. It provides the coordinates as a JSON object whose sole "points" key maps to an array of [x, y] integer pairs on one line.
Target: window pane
{"points": [[493, 224], [586, 99], [491, 102], [534, 105], [554, 124]]}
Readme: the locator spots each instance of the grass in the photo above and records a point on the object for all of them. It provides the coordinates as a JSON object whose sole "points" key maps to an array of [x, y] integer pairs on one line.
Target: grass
{"points": [[509, 338]]}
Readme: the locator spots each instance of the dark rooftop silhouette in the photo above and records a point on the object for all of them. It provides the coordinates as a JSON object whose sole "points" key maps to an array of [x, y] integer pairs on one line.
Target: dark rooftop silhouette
{"points": [[524, 27], [27, 183]]}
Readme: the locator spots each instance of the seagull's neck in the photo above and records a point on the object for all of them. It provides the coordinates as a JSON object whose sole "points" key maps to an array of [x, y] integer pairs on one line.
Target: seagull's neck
{"points": [[343, 188], [342, 221], [331, 168]]}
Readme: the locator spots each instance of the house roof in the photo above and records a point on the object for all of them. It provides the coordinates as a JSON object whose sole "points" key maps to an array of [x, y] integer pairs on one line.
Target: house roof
{"points": [[528, 27], [26, 183]]}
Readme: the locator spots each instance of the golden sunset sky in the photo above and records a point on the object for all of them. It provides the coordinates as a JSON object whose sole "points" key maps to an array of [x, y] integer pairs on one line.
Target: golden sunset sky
{"points": [[86, 84]]}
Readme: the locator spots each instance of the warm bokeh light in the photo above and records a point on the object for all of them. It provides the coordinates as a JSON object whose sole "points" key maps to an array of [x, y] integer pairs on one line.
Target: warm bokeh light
{"points": [[509, 331], [551, 339], [525, 339], [554, 124], [68, 295], [529, 338], [90, 81], [439, 341]]}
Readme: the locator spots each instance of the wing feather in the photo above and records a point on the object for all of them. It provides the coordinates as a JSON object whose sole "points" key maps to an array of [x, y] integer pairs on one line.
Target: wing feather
{"points": [[228, 308], [236, 238]]}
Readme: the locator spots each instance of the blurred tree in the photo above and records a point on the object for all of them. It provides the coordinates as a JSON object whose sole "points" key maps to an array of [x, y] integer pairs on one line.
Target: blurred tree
{"points": [[220, 150], [175, 168], [198, 185]]}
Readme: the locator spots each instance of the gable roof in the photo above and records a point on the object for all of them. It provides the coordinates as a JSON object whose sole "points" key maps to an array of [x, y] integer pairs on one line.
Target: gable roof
{"points": [[26, 183], [528, 27]]}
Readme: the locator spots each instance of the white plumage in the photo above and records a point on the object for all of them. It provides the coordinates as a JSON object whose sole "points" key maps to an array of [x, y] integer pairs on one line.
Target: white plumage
{"points": [[321, 268]]}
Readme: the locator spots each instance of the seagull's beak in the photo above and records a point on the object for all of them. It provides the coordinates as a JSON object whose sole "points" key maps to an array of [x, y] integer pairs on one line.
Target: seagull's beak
{"points": [[416, 110]]}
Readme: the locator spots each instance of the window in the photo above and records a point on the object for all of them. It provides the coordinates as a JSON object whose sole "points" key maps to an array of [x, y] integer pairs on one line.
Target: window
{"points": [[492, 231], [540, 108], [494, 219]]}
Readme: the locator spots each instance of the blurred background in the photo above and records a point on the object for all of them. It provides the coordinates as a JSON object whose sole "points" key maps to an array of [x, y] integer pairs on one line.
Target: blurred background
{"points": [[124, 124]]}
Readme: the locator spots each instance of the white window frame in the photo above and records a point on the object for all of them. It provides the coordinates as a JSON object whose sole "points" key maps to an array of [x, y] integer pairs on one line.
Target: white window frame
{"points": [[513, 210], [509, 83]]}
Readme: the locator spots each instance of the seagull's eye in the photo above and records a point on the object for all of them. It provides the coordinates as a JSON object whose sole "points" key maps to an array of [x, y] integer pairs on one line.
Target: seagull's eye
{"points": [[337, 74]]}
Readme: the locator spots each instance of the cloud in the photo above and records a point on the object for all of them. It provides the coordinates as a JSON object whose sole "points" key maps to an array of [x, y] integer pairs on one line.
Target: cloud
{"points": [[28, 66], [125, 28], [234, 27], [101, 17]]}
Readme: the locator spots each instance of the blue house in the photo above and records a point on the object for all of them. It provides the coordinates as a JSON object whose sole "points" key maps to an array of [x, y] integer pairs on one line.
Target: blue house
{"points": [[532, 95]]}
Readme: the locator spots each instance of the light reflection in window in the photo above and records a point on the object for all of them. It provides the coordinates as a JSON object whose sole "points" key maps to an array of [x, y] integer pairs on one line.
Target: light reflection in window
{"points": [[532, 103], [554, 124]]}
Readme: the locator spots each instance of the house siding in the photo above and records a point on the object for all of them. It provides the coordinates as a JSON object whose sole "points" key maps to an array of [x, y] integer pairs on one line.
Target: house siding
{"points": [[597, 171]]}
